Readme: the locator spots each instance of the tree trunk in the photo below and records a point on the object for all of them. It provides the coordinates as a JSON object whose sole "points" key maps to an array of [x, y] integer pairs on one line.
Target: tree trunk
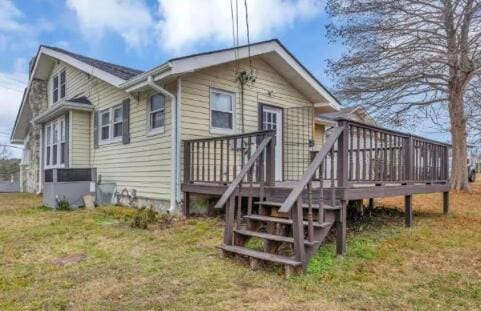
{"points": [[459, 171]]}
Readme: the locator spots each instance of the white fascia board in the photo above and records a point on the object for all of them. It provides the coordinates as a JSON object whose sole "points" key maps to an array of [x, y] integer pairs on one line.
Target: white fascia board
{"points": [[59, 109], [19, 117], [325, 122], [157, 73], [196, 62], [91, 70]]}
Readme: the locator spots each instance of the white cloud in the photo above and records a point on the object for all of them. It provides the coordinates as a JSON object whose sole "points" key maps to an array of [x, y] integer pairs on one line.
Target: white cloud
{"points": [[9, 17], [181, 25], [186, 23], [129, 18], [12, 85], [16, 30]]}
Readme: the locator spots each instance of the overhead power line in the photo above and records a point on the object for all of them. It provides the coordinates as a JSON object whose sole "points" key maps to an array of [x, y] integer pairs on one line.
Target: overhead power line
{"points": [[248, 36], [10, 146]]}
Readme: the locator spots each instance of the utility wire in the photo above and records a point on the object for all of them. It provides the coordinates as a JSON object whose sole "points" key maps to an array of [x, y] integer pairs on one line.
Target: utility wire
{"points": [[248, 36], [9, 146], [236, 55], [12, 79]]}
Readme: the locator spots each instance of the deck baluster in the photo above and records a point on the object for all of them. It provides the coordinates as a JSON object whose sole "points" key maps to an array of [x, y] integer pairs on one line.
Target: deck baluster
{"points": [[310, 231], [321, 193]]}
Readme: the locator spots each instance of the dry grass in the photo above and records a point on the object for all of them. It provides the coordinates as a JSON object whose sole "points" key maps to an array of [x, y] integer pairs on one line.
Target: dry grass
{"points": [[434, 265]]}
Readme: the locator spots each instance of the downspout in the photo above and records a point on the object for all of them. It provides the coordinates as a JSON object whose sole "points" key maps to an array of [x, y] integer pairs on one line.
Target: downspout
{"points": [[178, 128], [173, 141]]}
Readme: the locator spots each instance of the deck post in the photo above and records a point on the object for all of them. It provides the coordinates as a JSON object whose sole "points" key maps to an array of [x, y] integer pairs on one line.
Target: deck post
{"points": [[446, 202], [341, 229], [371, 203], [229, 220], [271, 162], [410, 160], [187, 163], [408, 208], [298, 230], [186, 204], [343, 156]]}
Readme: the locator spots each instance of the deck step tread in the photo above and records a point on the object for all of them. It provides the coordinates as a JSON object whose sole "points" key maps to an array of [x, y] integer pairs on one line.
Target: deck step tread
{"points": [[283, 221], [279, 204], [260, 255], [271, 237]]}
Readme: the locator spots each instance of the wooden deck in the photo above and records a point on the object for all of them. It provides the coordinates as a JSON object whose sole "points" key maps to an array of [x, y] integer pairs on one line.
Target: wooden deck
{"points": [[357, 161]]}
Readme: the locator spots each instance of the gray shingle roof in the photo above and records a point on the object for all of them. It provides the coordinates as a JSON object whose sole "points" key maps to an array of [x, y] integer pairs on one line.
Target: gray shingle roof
{"points": [[343, 113], [80, 100], [117, 70]]}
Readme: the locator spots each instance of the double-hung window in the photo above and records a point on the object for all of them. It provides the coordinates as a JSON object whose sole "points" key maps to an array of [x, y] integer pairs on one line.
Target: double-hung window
{"points": [[222, 111], [55, 143], [111, 125], [156, 113], [58, 86]]}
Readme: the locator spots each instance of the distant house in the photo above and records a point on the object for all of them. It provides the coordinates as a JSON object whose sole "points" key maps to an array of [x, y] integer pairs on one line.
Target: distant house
{"points": [[355, 113]]}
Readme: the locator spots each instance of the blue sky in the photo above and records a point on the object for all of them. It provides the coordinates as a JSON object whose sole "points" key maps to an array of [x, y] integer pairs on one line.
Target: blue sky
{"points": [[143, 33]]}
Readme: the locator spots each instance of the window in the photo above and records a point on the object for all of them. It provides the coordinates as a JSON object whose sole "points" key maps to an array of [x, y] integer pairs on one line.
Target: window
{"points": [[62, 84], [58, 86], [118, 122], [105, 125], [55, 143], [156, 113], [48, 143], [222, 107], [111, 125]]}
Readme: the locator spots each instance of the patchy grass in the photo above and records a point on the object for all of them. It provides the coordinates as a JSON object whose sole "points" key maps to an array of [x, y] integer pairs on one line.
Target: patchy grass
{"points": [[434, 265]]}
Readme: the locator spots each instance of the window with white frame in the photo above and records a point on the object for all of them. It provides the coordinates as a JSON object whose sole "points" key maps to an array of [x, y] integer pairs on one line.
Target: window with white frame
{"points": [[111, 125], [58, 86], [55, 143], [156, 113], [222, 111]]}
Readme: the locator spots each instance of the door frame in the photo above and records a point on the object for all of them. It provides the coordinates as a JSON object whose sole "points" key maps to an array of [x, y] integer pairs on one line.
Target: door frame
{"points": [[261, 106]]}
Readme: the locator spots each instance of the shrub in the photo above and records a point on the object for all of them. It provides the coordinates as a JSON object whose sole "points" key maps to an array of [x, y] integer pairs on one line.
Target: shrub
{"points": [[143, 218], [63, 205]]}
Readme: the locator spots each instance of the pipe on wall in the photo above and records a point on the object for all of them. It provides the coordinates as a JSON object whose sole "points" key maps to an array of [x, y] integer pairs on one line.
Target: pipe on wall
{"points": [[173, 141]]}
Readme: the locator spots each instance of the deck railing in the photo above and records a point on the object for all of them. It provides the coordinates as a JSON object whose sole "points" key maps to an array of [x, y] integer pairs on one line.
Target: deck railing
{"points": [[356, 153], [219, 159], [376, 155]]}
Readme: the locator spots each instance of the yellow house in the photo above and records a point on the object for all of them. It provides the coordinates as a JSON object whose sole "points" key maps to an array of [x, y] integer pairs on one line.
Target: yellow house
{"points": [[78, 112]]}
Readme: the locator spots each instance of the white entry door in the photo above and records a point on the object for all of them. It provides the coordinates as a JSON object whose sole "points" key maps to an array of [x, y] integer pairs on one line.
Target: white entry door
{"points": [[272, 120]]}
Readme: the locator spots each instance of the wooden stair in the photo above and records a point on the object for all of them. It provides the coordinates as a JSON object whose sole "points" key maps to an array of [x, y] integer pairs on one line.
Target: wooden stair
{"points": [[276, 231]]}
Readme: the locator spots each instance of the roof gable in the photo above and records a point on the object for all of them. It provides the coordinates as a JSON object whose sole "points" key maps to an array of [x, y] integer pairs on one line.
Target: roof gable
{"points": [[108, 72], [272, 52]]}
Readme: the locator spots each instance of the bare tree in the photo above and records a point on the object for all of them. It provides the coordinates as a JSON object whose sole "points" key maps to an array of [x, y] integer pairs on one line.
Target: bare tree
{"points": [[4, 152], [409, 60]]}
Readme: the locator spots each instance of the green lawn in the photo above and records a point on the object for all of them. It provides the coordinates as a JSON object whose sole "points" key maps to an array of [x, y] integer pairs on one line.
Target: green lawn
{"points": [[434, 265]]}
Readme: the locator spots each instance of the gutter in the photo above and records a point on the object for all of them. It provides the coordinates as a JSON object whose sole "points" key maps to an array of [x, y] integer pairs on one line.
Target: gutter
{"points": [[173, 141]]}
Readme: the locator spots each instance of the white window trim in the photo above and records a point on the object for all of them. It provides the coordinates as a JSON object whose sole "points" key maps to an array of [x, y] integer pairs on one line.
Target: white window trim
{"points": [[49, 142], [216, 130], [111, 138], [154, 131], [57, 74]]}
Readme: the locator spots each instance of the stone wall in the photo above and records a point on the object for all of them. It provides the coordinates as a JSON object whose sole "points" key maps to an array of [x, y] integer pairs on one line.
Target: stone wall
{"points": [[37, 100]]}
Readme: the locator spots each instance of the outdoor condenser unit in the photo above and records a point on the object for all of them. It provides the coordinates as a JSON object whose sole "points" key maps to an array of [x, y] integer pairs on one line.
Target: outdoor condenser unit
{"points": [[70, 184]]}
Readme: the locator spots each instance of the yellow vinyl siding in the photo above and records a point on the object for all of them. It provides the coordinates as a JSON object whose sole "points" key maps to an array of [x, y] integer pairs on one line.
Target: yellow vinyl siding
{"points": [[269, 88], [80, 139], [195, 96], [144, 163]]}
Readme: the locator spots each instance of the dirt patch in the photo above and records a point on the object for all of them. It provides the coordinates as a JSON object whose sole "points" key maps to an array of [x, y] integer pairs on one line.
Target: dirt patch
{"points": [[70, 259]]}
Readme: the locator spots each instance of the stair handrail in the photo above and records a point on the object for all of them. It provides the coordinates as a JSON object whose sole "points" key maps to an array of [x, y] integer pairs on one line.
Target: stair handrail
{"points": [[311, 169], [238, 180]]}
